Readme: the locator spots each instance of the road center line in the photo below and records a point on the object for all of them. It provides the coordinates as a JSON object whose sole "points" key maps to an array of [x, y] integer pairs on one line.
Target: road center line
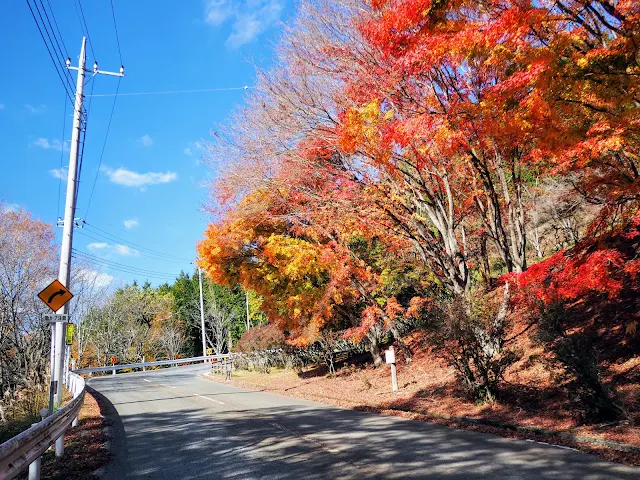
{"points": [[146, 380]]}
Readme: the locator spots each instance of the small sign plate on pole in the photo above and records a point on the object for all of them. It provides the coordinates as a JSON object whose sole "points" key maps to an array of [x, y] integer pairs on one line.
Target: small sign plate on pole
{"points": [[209, 351], [55, 318], [390, 356], [69, 336], [55, 296]]}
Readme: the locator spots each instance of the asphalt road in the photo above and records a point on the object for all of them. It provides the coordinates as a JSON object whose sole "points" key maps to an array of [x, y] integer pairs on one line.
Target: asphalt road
{"points": [[173, 424]]}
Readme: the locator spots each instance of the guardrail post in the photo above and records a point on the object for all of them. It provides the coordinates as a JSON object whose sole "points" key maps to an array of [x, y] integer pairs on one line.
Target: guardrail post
{"points": [[114, 372], [34, 467], [60, 445], [144, 369]]}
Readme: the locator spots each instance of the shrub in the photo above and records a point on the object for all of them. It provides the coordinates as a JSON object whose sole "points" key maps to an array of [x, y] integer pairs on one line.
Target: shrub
{"points": [[470, 337], [261, 337], [595, 402]]}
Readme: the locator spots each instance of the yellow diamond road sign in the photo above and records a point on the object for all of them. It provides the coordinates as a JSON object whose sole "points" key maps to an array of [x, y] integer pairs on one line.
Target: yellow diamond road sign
{"points": [[55, 295]]}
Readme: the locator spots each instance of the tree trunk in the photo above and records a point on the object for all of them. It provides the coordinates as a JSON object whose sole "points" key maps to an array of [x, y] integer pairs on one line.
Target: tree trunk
{"points": [[374, 348], [406, 351]]}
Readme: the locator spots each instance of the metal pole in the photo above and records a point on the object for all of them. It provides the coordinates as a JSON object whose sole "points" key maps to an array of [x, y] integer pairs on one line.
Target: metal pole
{"points": [[204, 341], [52, 367], [246, 293], [64, 275]]}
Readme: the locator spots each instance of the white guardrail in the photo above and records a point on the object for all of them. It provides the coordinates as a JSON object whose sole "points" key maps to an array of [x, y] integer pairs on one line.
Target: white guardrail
{"points": [[144, 365], [25, 449]]}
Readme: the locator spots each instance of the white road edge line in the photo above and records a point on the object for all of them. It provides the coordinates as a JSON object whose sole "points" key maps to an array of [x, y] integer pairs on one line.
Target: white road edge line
{"points": [[210, 399], [146, 380]]}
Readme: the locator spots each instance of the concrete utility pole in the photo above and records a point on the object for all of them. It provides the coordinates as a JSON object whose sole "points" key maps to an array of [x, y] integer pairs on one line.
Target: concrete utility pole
{"points": [[204, 340], [64, 274]]}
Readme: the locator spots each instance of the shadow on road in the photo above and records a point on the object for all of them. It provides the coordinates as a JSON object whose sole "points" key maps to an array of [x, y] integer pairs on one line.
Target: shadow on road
{"points": [[299, 442]]}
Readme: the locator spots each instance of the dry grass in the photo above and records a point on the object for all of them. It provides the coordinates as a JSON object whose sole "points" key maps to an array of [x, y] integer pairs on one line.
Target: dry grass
{"points": [[23, 412]]}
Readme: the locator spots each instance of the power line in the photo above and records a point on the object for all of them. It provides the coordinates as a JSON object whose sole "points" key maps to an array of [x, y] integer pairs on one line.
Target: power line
{"points": [[171, 92], [122, 266], [64, 125], [113, 238], [104, 232], [63, 53], [102, 238], [66, 50], [83, 25], [104, 144], [55, 64], [115, 26], [84, 140]]}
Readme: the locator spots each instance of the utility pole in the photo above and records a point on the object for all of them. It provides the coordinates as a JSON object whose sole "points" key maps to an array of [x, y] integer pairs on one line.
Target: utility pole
{"points": [[204, 341], [64, 274], [246, 293]]}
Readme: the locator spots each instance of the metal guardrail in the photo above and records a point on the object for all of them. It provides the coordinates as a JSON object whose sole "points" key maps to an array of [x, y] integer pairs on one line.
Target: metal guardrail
{"points": [[143, 365], [24, 450]]}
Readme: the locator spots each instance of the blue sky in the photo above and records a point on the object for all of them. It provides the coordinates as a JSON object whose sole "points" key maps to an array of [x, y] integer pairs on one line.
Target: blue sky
{"points": [[152, 183]]}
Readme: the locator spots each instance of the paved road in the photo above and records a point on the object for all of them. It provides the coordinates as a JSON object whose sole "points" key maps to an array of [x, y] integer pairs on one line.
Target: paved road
{"points": [[181, 426]]}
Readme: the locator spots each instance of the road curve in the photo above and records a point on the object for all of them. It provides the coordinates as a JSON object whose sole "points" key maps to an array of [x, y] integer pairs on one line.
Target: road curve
{"points": [[178, 425]]}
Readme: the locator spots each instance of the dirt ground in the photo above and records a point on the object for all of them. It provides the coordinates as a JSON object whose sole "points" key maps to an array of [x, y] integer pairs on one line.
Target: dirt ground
{"points": [[85, 447]]}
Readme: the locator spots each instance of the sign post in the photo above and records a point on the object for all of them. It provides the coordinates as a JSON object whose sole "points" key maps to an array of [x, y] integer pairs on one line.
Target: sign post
{"points": [[55, 296], [390, 358]]}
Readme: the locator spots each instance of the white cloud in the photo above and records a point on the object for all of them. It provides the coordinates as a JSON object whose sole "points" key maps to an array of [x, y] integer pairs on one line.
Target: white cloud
{"points": [[216, 12], [198, 147], [59, 173], [117, 249], [35, 110], [250, 18], [129, 178], [98, 279], [50, 144], [146, 140], [130, 223]]}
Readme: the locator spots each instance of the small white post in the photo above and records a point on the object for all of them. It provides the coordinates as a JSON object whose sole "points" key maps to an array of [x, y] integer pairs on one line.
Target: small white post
{"points": [[114, 372], [34, 467], [390, 358], [144, 369]]}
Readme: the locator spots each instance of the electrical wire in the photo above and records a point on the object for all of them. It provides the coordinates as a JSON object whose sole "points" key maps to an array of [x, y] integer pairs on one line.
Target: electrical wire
{"points": [[106, 234], [83, 25], [63, 53], [83, 140], [64, 125], [171, 92], [115, 26], [121, 266], [66, 50], [102, 238], [104, 144], [55, 64]]}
